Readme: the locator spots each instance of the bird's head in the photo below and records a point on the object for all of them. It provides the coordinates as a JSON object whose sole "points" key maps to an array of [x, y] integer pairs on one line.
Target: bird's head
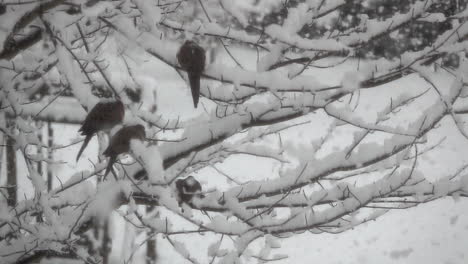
{"points": [[139, 131], [120, 107], [189, 42], [187, 188], [192, 185]]}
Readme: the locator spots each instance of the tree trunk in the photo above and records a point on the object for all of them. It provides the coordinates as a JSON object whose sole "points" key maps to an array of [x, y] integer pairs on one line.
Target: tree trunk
{"points": [[11, 172], [106, 244], [151, 254], [50, 142], [40, 168]]}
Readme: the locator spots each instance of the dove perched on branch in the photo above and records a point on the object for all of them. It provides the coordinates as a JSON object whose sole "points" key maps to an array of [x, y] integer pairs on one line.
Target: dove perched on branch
{"points": [[120, 142], [103, 116], [191, 58]]}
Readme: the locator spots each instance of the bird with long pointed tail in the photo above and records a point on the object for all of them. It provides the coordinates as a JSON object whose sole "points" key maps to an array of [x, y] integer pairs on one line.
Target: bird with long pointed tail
{"points": [[191, 58], [120, 143], [103, 116]]}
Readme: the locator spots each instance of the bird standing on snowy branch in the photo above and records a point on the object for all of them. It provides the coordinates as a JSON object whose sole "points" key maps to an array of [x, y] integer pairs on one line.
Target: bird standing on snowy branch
{"points": [[191, 58], [187, 188], [120, 142], [104, 116]]}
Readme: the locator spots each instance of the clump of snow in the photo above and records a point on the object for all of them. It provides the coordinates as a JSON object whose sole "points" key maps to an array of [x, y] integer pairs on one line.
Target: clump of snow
{"points": [[97, 9], [151, 14], [151, 159], [73, 75], [37, 181], [108, 197], [222, 224], [433, 18], [351, 81], [236, 11], [270, 58], [181, 248], [213, 249]]}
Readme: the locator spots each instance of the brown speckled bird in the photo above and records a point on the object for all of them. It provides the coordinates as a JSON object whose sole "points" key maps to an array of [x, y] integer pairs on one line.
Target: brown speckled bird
{"points": [[187, 188], [191, 58], [120, 142], [103, 116]]}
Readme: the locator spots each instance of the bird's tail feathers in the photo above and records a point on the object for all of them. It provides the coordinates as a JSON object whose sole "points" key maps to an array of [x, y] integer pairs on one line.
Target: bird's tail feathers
{"points": [[194, 79], [109, 165], [107, 152], [85, 143]]}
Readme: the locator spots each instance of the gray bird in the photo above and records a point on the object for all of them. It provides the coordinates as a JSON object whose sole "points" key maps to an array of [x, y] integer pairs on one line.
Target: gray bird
{"points": [[120, 143], [191, 58], [103, 116]]}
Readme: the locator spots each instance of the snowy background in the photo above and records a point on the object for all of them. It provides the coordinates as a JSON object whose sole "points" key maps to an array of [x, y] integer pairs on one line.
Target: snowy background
{"points": [[430, 233]]}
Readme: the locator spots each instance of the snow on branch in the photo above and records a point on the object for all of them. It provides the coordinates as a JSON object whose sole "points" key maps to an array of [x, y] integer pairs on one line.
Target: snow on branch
{"points": [[306, 121]]}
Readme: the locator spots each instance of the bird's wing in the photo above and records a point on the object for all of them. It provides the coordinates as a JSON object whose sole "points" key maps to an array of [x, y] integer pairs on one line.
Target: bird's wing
{"points": [[183, 56], [201, 54], [89, 124]]}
